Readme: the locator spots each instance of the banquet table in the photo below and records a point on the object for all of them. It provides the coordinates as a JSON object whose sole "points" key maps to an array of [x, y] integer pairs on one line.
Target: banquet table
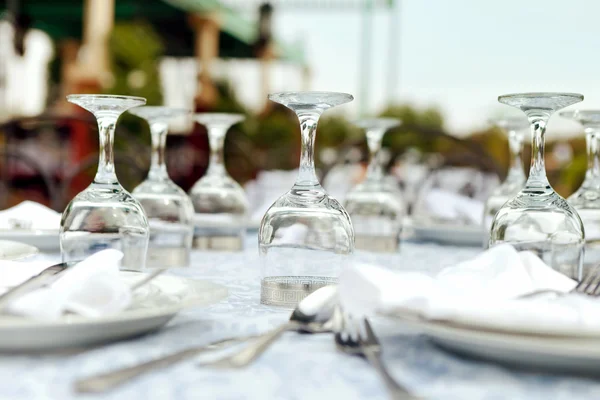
{"points": [[298, 366]]}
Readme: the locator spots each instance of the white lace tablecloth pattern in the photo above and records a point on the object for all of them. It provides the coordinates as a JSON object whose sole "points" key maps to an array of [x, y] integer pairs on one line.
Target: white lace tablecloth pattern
{"points": [[297, 366]]}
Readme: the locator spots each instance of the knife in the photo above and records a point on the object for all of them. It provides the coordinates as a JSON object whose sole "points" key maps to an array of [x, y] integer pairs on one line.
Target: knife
{"points": [[46, 277]]}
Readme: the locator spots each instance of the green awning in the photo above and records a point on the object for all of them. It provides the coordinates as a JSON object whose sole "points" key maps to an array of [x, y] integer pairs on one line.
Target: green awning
{"points": [[234, 24], [63, 18]]}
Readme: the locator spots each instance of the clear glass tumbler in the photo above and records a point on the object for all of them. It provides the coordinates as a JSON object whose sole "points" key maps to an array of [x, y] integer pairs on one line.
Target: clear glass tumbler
{"points": [[168, 208], [375, 206], [305, 237], [586, 199], [537, 219], [105, 215]]}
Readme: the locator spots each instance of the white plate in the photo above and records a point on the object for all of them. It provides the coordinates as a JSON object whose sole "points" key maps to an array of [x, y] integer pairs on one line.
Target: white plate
{"points": [[154, 305], [10, 250], [449, 234], [553, 353], [42, 239]]}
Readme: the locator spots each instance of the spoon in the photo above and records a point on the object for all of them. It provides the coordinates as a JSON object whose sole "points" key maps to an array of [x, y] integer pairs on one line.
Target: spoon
{"points": [[312, 315], [110, 380]]}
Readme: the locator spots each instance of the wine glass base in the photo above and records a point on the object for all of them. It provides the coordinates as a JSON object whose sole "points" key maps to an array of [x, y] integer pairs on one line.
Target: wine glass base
{"points": [[288, 291]]}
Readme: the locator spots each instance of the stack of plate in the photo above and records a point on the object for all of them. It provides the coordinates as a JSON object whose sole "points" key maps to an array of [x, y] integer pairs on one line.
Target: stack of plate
{"points": [[154, 305], [563, 351]]}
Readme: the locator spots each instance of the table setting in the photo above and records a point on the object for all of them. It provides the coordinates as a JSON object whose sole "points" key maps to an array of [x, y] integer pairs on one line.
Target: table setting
{"points": [[159, 293], [31, 223]]}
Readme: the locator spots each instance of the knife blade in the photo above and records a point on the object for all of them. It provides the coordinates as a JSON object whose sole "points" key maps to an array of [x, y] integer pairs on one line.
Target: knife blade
{"points": [[46, 277]]}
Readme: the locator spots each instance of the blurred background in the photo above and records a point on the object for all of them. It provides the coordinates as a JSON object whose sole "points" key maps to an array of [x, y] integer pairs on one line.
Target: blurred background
{"points": [[437, 65]]}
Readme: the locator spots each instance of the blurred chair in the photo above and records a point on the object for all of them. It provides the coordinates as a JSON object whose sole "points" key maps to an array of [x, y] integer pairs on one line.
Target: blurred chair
{"points": [[44, 187], [42, 153]]}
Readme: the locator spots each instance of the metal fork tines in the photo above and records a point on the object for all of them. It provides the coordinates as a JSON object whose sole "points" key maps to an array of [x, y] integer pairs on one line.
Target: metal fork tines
{"points": [[589, 285], [359, 339]]}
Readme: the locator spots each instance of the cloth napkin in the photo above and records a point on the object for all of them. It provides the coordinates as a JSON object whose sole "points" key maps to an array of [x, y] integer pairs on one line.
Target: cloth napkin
{"points": [[446, 205], [91, 288], [480, 292], [30, 215]]}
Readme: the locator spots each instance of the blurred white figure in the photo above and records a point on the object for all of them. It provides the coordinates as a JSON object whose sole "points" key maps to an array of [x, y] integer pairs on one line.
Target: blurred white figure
{"points": [[25, 77], [411, 172], [454, 194]]}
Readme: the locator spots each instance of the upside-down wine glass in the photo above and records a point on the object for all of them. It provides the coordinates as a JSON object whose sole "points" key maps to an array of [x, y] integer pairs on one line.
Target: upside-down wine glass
{"points": [[105, 215], [168, 208], [586, 199], [306, 235], [374, 205], [537, 218], [220, 203], [515, 129]]}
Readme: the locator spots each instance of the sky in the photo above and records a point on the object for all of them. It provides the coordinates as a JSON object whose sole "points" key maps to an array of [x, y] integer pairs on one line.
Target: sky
{"points": [[456, 55]]}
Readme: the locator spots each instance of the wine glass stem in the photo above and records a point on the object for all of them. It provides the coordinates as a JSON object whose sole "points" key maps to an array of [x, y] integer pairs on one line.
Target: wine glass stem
{"points": [[158, 167], [592, 139], [537, 175], [106, 163], [375, 170], [308, 126], [515, 144], [216, 139]]}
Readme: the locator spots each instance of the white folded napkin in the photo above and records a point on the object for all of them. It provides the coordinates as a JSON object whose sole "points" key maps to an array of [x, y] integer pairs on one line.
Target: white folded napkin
{"points": [[91, 288], [30, 215], [481, 292], [446, 205]]}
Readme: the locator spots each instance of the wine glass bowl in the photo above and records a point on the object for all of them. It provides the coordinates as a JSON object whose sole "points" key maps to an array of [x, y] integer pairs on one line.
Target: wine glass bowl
{"points": [[306, 235], [105, 215], [537, 219], [515, 129], [586, 199], [220, 203], [168, 208], [374, 205]]}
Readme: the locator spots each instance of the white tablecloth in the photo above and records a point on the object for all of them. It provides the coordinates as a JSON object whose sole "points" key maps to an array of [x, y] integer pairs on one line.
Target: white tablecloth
{"points": [[297, 366]]}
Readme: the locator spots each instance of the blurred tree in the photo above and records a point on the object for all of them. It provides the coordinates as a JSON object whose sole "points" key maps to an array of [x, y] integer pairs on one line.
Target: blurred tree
{"points": [[570, 178], [134, 50]]}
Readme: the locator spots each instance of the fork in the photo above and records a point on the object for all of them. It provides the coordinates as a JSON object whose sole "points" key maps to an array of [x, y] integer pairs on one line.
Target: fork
{"points": [[363, 342], [110, 380], [589, 285]]}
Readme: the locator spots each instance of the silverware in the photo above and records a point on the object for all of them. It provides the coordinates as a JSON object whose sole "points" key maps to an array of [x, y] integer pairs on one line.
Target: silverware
{"points": [[361, 341], [312, 315], [20, 224], [147, 279], [110, 380], [44, 278], [589, 285]]}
